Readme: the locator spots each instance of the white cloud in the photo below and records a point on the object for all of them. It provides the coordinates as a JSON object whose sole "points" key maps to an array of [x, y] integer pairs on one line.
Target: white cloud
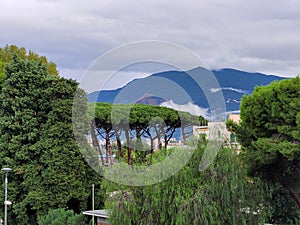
{"points": [[214, 90], [189, 107]]}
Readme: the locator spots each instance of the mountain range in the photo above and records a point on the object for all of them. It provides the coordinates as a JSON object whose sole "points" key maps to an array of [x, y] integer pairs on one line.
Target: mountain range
{"points": [[180, 88]]}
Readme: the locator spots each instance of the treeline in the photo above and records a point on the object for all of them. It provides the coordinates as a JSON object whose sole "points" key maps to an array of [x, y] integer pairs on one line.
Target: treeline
{"points": [[138, 121]]}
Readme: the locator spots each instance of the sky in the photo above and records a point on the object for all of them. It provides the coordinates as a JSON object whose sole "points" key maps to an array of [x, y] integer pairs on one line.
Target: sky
{"points": [[254, 35]]}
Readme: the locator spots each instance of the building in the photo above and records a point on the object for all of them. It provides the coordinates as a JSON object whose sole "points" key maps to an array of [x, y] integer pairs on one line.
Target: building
{"points": [[231, 135], [198, 130], [214, 131], [101, 216], [217, 131], [235, 118]]}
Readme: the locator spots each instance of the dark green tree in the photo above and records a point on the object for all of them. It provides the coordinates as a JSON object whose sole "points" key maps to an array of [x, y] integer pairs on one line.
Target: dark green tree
{"points": [[37, 141], [61, 216], [2, 72], [270, 135]]}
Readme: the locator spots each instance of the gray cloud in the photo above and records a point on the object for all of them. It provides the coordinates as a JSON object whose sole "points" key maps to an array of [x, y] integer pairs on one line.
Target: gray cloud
{"points": [[249, 35]]}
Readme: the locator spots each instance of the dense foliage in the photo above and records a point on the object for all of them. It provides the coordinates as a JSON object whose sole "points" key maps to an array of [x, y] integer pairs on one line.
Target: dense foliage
{"points": [[222, 194], [61, 217], [270, 136], [7, 53], [158, 123], [37, 141]]}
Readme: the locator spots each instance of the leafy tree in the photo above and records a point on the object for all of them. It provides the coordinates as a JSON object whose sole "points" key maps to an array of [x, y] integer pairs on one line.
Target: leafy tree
{"points": [[187, 120], [61, 216], [231, 125], [139, 120], [270, 135], [2, 72], [7, 53], [37, 141], [222, 194]]}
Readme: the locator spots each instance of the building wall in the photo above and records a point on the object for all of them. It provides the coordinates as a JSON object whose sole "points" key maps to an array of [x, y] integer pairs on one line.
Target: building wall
{"points": [[102, 221], [198, 130], [235, 118]]}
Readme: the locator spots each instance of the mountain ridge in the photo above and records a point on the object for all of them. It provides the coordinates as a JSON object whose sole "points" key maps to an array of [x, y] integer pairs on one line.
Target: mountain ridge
{"points": [[233, 84]]}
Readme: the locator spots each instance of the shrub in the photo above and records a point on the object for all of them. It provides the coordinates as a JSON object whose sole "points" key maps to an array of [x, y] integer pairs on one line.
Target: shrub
{"points": [[61, 217]]}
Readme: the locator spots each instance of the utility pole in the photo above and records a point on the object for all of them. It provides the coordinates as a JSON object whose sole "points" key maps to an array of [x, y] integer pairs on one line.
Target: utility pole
{"points": [[6, 202]]}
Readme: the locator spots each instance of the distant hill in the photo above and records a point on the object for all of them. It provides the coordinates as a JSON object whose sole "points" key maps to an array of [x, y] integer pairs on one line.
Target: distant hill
{"points": [[233, 83]]}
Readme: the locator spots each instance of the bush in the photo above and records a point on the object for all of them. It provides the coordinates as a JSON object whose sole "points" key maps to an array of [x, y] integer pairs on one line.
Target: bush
{"points": [[61, 217]]}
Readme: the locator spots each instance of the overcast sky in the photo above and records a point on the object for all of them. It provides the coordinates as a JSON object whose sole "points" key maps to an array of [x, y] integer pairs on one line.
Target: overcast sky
{"points": [[252, 35]]}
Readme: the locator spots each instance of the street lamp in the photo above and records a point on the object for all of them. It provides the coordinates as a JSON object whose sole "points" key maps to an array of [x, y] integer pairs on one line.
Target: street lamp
{"points": [[6, 202]]}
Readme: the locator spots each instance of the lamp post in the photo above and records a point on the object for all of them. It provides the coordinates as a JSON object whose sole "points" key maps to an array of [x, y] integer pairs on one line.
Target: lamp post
{"points": [[6, 202]]}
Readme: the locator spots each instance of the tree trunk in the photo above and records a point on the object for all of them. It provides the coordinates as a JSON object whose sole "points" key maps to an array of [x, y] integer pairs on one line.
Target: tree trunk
{"points": [[158, 137], [107, 145], [95, 141], [151, 145], [183, 135], [119, 144], [128, 147], [166, 141], [138, 133], [170, 136], [289, 190], [295, 196]]}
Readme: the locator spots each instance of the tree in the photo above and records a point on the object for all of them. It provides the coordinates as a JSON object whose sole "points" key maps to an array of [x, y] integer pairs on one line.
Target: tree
{"points": [[270, 134], [7, 53], [61, 216], [2, 72], [139, 121], [37, 141], [222, 194]]}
